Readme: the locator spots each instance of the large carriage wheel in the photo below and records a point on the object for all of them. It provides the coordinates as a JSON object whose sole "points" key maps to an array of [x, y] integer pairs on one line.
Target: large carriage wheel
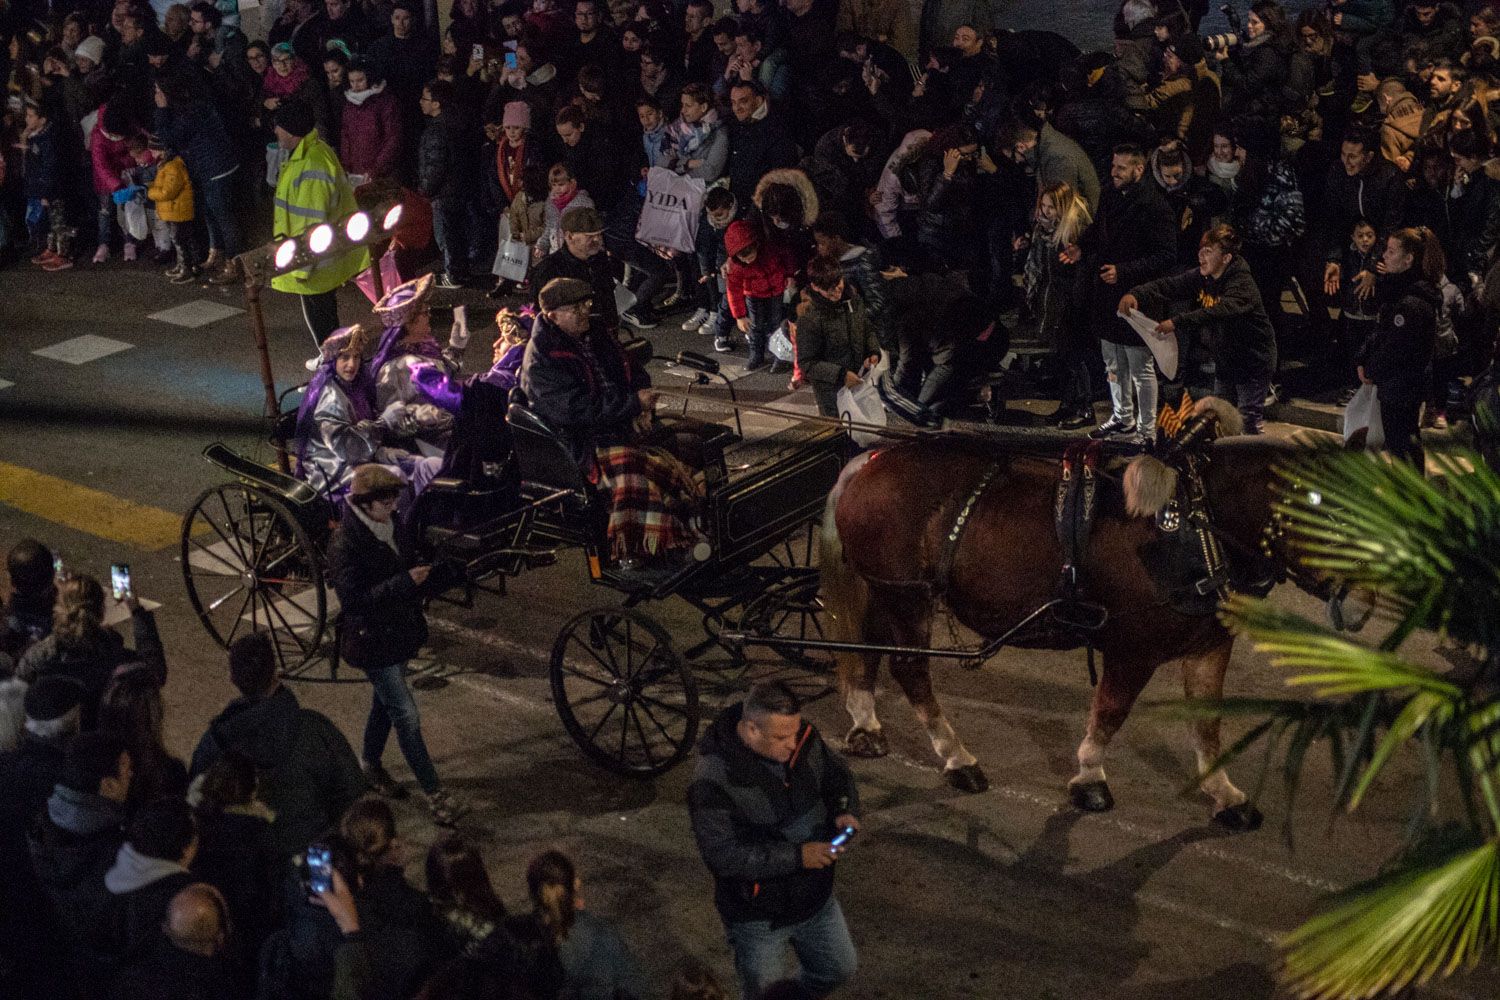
{"points": [[249, 565], [793, 608], [624, 695]]}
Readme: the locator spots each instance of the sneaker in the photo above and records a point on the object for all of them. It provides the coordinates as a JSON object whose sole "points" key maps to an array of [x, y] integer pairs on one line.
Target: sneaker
{"points": [[639, 319], [1072, 420], [44, 256], [102, 254], [129, 253], [445, 807], [694, 322], [380, 779], [186, 277], [58, 264], [173, 271], [723, 344], [1112, 428], [447, 282]]}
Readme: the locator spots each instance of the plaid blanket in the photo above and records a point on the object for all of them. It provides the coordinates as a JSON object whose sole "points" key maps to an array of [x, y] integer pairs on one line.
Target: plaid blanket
{"points": [[652, 498]]}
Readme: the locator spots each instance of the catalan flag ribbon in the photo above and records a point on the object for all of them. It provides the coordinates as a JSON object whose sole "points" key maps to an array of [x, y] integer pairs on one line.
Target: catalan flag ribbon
{"points": [[1170, 421]]}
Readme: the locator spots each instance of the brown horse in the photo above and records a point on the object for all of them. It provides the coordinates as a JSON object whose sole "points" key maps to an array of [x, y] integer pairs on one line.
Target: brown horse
{"points": [[888, 556]]}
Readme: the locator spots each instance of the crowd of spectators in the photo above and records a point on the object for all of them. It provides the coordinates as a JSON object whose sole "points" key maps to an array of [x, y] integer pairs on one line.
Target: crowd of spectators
{"points": [[991, 176]]}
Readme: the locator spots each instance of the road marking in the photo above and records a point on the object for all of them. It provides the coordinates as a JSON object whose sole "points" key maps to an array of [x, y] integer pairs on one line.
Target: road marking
{"points": [[199, 312], [82, 350], [91, 511], [5, 383]]}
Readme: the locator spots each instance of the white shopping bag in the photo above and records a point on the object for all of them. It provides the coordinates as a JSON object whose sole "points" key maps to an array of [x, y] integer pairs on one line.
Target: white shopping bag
{"points": [[1362, 417], [861, 405], [513, 259], [669, 216], [624, 297], [780, 345], [133, 219]]}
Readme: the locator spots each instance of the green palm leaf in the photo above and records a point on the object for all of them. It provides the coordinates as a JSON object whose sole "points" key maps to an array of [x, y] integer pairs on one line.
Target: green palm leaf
{"points": [[1429, 918]]}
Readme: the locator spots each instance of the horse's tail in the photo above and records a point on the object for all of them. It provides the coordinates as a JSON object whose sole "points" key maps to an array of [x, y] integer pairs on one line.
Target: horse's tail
{"points": [[845, 594]]}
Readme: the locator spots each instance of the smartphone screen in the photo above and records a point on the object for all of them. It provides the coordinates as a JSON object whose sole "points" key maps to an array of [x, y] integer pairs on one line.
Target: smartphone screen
{"points": [[845, 835], [57, 567], [478, 53], [119, 581], [510, 60], [319, 869]]}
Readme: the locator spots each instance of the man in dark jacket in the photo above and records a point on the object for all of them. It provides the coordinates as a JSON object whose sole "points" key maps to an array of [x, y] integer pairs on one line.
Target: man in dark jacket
{"points": [[773, 807], [582, 256], [834, 337], [74, 842], [308, 772], [447, 174], [150, 868], [188, 961], [758, 142], [380, 593], [1133, 240], [1054, 159], [1473, 210], [1229, 313], [1362, 185]]}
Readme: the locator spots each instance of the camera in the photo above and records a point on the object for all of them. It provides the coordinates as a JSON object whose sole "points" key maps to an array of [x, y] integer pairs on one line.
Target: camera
{"points": [[1222, 42]]}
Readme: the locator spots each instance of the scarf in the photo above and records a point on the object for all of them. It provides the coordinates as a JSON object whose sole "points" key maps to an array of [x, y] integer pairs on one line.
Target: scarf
{"points": [[658, 146], [510, 162], [690, 139], [358, 97], [360, 393], [282, 87], [1224, 174], [1043, 248], [384, 531], [561, 204]]}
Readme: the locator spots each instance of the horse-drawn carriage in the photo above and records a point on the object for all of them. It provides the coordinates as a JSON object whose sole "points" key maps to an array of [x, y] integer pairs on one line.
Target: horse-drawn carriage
{"points": [[253, 557]]}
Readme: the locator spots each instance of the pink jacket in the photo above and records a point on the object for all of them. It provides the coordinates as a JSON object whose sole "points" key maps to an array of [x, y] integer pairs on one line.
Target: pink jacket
{"points": [[109, 155]]}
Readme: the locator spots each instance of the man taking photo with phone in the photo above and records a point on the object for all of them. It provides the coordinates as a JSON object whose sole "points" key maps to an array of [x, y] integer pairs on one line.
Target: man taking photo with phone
{"points": [[767, 801]]}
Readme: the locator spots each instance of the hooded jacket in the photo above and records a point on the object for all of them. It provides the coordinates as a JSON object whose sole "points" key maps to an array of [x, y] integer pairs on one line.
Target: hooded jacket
{"points": [[834, 338], [1228, 310], [308, 772], [1398, 354], [140, 887], [765, 277], [751, 817]]}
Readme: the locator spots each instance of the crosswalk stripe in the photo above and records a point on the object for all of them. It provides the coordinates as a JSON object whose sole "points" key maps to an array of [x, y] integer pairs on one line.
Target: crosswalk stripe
{"points": [[88, 510]]}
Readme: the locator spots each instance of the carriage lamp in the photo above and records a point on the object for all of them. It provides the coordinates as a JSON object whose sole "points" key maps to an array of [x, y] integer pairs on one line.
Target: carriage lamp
{"points": [[320, 239], [357, 227]]}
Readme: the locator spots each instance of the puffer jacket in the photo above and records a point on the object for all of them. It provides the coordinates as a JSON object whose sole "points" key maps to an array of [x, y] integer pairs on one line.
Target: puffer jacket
{"points": [[834, 338], [1398, 355], [109, 156], [172, 192], [766, 277], [1254, 79]]}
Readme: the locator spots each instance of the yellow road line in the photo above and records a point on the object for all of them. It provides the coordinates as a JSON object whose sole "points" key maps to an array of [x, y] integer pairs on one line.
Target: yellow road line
{"points": [[88, 510]]}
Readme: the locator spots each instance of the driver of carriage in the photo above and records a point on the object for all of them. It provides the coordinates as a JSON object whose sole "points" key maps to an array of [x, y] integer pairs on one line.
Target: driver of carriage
{"points": [[577, 377], [406, 343], [338, 427]]}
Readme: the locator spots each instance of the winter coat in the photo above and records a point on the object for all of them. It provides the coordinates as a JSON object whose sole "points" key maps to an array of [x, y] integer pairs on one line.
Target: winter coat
{"points": [[1135, 232], [308, 772], [43, 164], [383, 623], [1185, 106], [751, 817], [1397, 356], [766, 277], [1055, 291], [755, 147], [1473, 223], [166, 970], [1401, 127], [1273, 214], [447, 159], [596, 270], [947, 223], [1061, 160], [551, 238], [140, 887], [862, 271], [527, 218], [1447, 35], [238, 855], [1196, 204], [588, 396], [172, 192], [198, 135], [109, 156], [1254, 79], [1378, 193], [93, 668], [370, 135], [834, 338], [1229, 313]]}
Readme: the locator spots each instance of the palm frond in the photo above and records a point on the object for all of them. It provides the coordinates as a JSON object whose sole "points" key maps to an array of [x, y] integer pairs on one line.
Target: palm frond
{"points": [[1431, 917]]}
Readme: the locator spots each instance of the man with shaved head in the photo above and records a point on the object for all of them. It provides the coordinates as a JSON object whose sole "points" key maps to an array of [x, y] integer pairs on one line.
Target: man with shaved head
{"points": [[188, 960]]}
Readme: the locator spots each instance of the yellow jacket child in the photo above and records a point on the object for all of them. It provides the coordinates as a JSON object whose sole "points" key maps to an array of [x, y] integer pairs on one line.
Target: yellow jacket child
{"points": [[172, 192]]}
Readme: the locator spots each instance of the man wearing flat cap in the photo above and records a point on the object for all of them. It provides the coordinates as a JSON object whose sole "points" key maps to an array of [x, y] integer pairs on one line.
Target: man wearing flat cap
{"points": [[582, 256], [578, 379], [313, 189]]}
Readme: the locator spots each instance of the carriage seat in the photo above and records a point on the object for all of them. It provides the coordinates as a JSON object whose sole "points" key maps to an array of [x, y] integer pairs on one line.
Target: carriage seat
{"points": [[542, 458]]}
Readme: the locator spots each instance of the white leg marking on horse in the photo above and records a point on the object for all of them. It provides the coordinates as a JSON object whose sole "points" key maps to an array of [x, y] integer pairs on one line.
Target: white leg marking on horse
{"points": [[1090, 762], [861, 705], [1217, 785], [947, 744]]}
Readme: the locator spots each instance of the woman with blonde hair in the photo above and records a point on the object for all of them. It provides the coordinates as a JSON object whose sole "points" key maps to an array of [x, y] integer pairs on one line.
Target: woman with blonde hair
{"points": [[82, 647], [1055, 286]]}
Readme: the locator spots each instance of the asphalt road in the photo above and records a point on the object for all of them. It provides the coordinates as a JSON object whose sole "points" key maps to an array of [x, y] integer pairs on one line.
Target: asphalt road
{"points": [[1006, 894]]}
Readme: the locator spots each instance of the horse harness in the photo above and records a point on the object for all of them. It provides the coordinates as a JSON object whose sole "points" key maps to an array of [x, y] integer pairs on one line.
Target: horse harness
{"points": [[1073, 511]]}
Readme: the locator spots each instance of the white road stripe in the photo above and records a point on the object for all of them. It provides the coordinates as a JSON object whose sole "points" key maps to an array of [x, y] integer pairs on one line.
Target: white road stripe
{"points": [[82, 350]]}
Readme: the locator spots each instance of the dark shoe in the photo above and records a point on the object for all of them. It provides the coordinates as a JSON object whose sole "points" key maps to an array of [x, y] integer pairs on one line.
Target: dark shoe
{"points": [[1072, 420], [446, 809], [164, 256], [639, 318], [503, 288], [186, 277], [1112, 428], [380, 779], [756, 363]]}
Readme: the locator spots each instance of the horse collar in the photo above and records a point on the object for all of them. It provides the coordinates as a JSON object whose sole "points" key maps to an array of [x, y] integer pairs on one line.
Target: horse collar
{"points": [[960, 524]]}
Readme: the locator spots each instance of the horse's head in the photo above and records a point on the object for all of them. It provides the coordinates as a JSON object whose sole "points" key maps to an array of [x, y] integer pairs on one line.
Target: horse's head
{"points": [[1150, 481]]}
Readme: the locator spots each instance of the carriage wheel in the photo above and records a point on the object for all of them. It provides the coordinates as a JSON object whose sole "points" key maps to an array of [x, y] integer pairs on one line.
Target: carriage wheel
{"points": [[624, 695], [793, 608], [249, 565]]}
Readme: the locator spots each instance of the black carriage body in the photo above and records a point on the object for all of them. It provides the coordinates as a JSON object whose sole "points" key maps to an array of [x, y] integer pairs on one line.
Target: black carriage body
{"points": [[772, 487]]}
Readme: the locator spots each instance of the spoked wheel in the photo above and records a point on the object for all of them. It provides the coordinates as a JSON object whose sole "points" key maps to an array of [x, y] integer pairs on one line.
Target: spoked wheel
{"points": [[249, 565], [793, 608], [624, 695]]}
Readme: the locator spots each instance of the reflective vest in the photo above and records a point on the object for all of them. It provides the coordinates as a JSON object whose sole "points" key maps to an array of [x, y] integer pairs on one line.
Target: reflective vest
{"points": [[313, 188]]}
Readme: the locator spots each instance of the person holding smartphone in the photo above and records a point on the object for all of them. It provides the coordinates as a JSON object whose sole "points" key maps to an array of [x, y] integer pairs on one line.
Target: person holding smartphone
{"points": [[773, 808], [380, 592]]}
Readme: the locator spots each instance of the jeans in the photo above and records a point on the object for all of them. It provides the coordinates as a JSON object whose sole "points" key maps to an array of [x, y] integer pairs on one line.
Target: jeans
{"points": [[1249, 397], [107, 225], [1132, 385], [393, 705], [765, 315], [218, 213], [822, 943], [450, 228]]}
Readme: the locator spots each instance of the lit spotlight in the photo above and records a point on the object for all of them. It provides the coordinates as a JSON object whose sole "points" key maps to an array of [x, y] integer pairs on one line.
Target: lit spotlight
{"points": [[392, 217], [320, 239], [284, 254], [358, 227]]}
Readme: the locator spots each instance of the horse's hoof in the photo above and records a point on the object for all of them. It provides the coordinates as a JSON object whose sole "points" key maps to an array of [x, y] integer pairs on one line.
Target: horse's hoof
{"points": [[968, 778], [1091, 796], [1241, 818], [864, 743]]}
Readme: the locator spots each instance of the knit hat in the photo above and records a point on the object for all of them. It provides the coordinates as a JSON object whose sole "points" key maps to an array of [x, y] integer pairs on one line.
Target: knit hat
{"points": [[92, 49], [562, 292], [516, 113], [374, 482], [295, 118], [582, 220], [52, 696], [402, 302]]}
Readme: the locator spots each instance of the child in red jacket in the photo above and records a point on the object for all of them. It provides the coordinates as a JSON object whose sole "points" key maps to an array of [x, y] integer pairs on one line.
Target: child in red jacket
{"points": [[754, 282]]}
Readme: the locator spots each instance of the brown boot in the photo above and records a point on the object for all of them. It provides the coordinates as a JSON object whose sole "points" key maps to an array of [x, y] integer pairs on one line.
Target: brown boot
{"points": [[229, 274]]}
